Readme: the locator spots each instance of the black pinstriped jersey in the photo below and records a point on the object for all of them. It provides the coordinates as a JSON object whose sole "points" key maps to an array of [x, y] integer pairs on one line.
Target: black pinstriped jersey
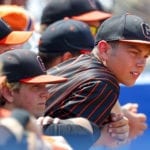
{"points": [[91, 90]]}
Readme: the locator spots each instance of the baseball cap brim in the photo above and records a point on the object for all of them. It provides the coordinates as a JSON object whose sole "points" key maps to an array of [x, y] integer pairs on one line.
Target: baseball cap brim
{"points": [[95, 15], [135, 41], [16, 37], [46, 79], [12, 13]]}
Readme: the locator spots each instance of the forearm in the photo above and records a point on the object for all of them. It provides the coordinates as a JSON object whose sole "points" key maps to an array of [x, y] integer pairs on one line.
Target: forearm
{"points": [[74, 134], [117, 108]]}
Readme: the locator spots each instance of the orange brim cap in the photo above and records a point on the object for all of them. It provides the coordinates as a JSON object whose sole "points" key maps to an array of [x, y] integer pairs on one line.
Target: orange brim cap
{"points": [[136, 41], [12, 13], [16, 37], [46, 79], [92, 16]]}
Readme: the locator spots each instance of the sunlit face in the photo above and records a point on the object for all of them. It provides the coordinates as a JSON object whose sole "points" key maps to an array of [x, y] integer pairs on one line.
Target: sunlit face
{"points": [[127, 61], [31, 97]]}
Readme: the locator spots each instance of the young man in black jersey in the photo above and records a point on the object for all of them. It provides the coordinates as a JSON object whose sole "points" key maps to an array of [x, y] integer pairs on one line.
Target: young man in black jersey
{"points": [[65, 39], [80, 96], [85, 11]]}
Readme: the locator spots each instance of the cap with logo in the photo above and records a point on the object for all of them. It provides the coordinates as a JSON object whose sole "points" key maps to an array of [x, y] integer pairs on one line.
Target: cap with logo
{"points": [[66, 35], [25, 66], [125, 28], [10, 37], [83, 10]]}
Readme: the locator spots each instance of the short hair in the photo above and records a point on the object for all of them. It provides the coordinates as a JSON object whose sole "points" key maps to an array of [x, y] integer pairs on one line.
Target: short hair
{"points": [[113, 44], [15, 86], [48, 58]]}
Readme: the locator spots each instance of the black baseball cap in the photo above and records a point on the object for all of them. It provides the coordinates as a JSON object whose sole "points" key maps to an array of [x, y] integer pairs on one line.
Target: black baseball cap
{"points": [[24, 66], [66, 35], [83, 10], [125, 28], [10, 37]]}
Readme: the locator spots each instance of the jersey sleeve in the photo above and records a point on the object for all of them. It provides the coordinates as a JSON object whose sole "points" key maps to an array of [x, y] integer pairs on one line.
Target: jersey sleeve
{"points": [[92, 100]]}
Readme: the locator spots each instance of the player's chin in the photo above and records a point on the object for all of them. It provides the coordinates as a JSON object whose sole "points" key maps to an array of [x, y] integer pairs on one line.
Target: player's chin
{"points": [[129, 83]]}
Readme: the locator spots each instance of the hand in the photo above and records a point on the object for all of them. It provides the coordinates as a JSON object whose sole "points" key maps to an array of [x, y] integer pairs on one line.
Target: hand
{"points": [[132, 107], [41, 121], [114, 133], [131, 112], [119, 128], [105, 139]]}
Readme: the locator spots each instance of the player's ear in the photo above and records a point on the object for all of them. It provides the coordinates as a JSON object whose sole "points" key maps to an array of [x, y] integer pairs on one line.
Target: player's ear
{"points": [[66, 56], [103, 48], [7, 94]]}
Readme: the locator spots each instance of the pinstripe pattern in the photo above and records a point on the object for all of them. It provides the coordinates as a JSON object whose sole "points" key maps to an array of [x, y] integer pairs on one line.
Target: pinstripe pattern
{"points": [[91, 90]]}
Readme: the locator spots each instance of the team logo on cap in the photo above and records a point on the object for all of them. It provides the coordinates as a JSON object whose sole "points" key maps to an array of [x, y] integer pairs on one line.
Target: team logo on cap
{"points": [[41, 63], [146, 30]]}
